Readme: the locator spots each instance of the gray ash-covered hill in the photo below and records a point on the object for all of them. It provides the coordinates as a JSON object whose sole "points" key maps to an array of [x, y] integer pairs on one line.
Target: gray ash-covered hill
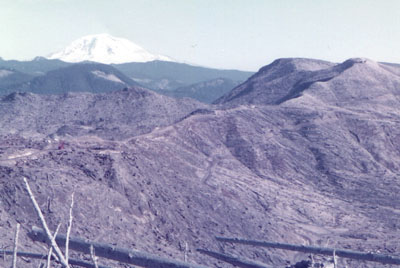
{"points": [[83, 77], [355, 80], [309, 169], [114, 115], [273, 81]]}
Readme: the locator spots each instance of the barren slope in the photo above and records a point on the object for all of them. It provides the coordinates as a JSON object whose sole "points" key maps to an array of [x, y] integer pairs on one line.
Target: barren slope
{"points": [[320, 168]]}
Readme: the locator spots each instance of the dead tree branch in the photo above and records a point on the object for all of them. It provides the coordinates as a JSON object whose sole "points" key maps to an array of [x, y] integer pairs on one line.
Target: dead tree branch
{"points": [[186, 251], [334, 259], [51, 248], [14, 261], [46, 228], [93, 256], [49, 257], [69, 227]]}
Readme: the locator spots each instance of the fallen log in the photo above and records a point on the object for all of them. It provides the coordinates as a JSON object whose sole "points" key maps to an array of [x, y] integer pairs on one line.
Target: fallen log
{"points": [[381, 258], [113, 253], [239, 262], [44, 257]]}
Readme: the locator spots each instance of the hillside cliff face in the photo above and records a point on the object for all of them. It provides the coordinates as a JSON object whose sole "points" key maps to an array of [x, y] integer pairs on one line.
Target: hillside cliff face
{"points": [[310, 154]]}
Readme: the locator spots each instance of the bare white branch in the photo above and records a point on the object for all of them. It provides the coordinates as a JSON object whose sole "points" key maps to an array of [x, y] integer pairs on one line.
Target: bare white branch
{"points": [[14, 262], [186, 251], [51, 248], [69, 227], [93, 256], [334, 259], [45, 227]]}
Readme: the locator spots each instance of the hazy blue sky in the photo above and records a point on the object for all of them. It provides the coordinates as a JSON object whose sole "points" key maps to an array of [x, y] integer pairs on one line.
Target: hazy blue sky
{"points": [[242, 34]]}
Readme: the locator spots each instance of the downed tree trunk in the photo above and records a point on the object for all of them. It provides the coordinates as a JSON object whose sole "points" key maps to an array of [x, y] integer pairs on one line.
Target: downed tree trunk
{"points": [[385, 259], [113, 253], [239, 262], [44, 257]]}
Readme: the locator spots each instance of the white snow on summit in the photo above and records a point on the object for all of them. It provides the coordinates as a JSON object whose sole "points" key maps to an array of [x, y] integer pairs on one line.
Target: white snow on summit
{"points": [[105, 48]]}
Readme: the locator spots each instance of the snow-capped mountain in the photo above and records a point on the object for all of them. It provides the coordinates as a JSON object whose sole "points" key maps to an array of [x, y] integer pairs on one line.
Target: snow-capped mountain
{"points": [[105, 48]]}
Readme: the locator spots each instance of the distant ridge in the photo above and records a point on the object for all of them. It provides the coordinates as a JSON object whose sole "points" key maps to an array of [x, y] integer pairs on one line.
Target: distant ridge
{"points": [[56, 76], [81, 77], [104, 48]]}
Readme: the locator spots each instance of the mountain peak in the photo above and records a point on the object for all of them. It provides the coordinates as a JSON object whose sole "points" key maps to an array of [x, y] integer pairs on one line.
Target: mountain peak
{"points": [[287, 65], [356, 80], [39, 58], [105, 48]]}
